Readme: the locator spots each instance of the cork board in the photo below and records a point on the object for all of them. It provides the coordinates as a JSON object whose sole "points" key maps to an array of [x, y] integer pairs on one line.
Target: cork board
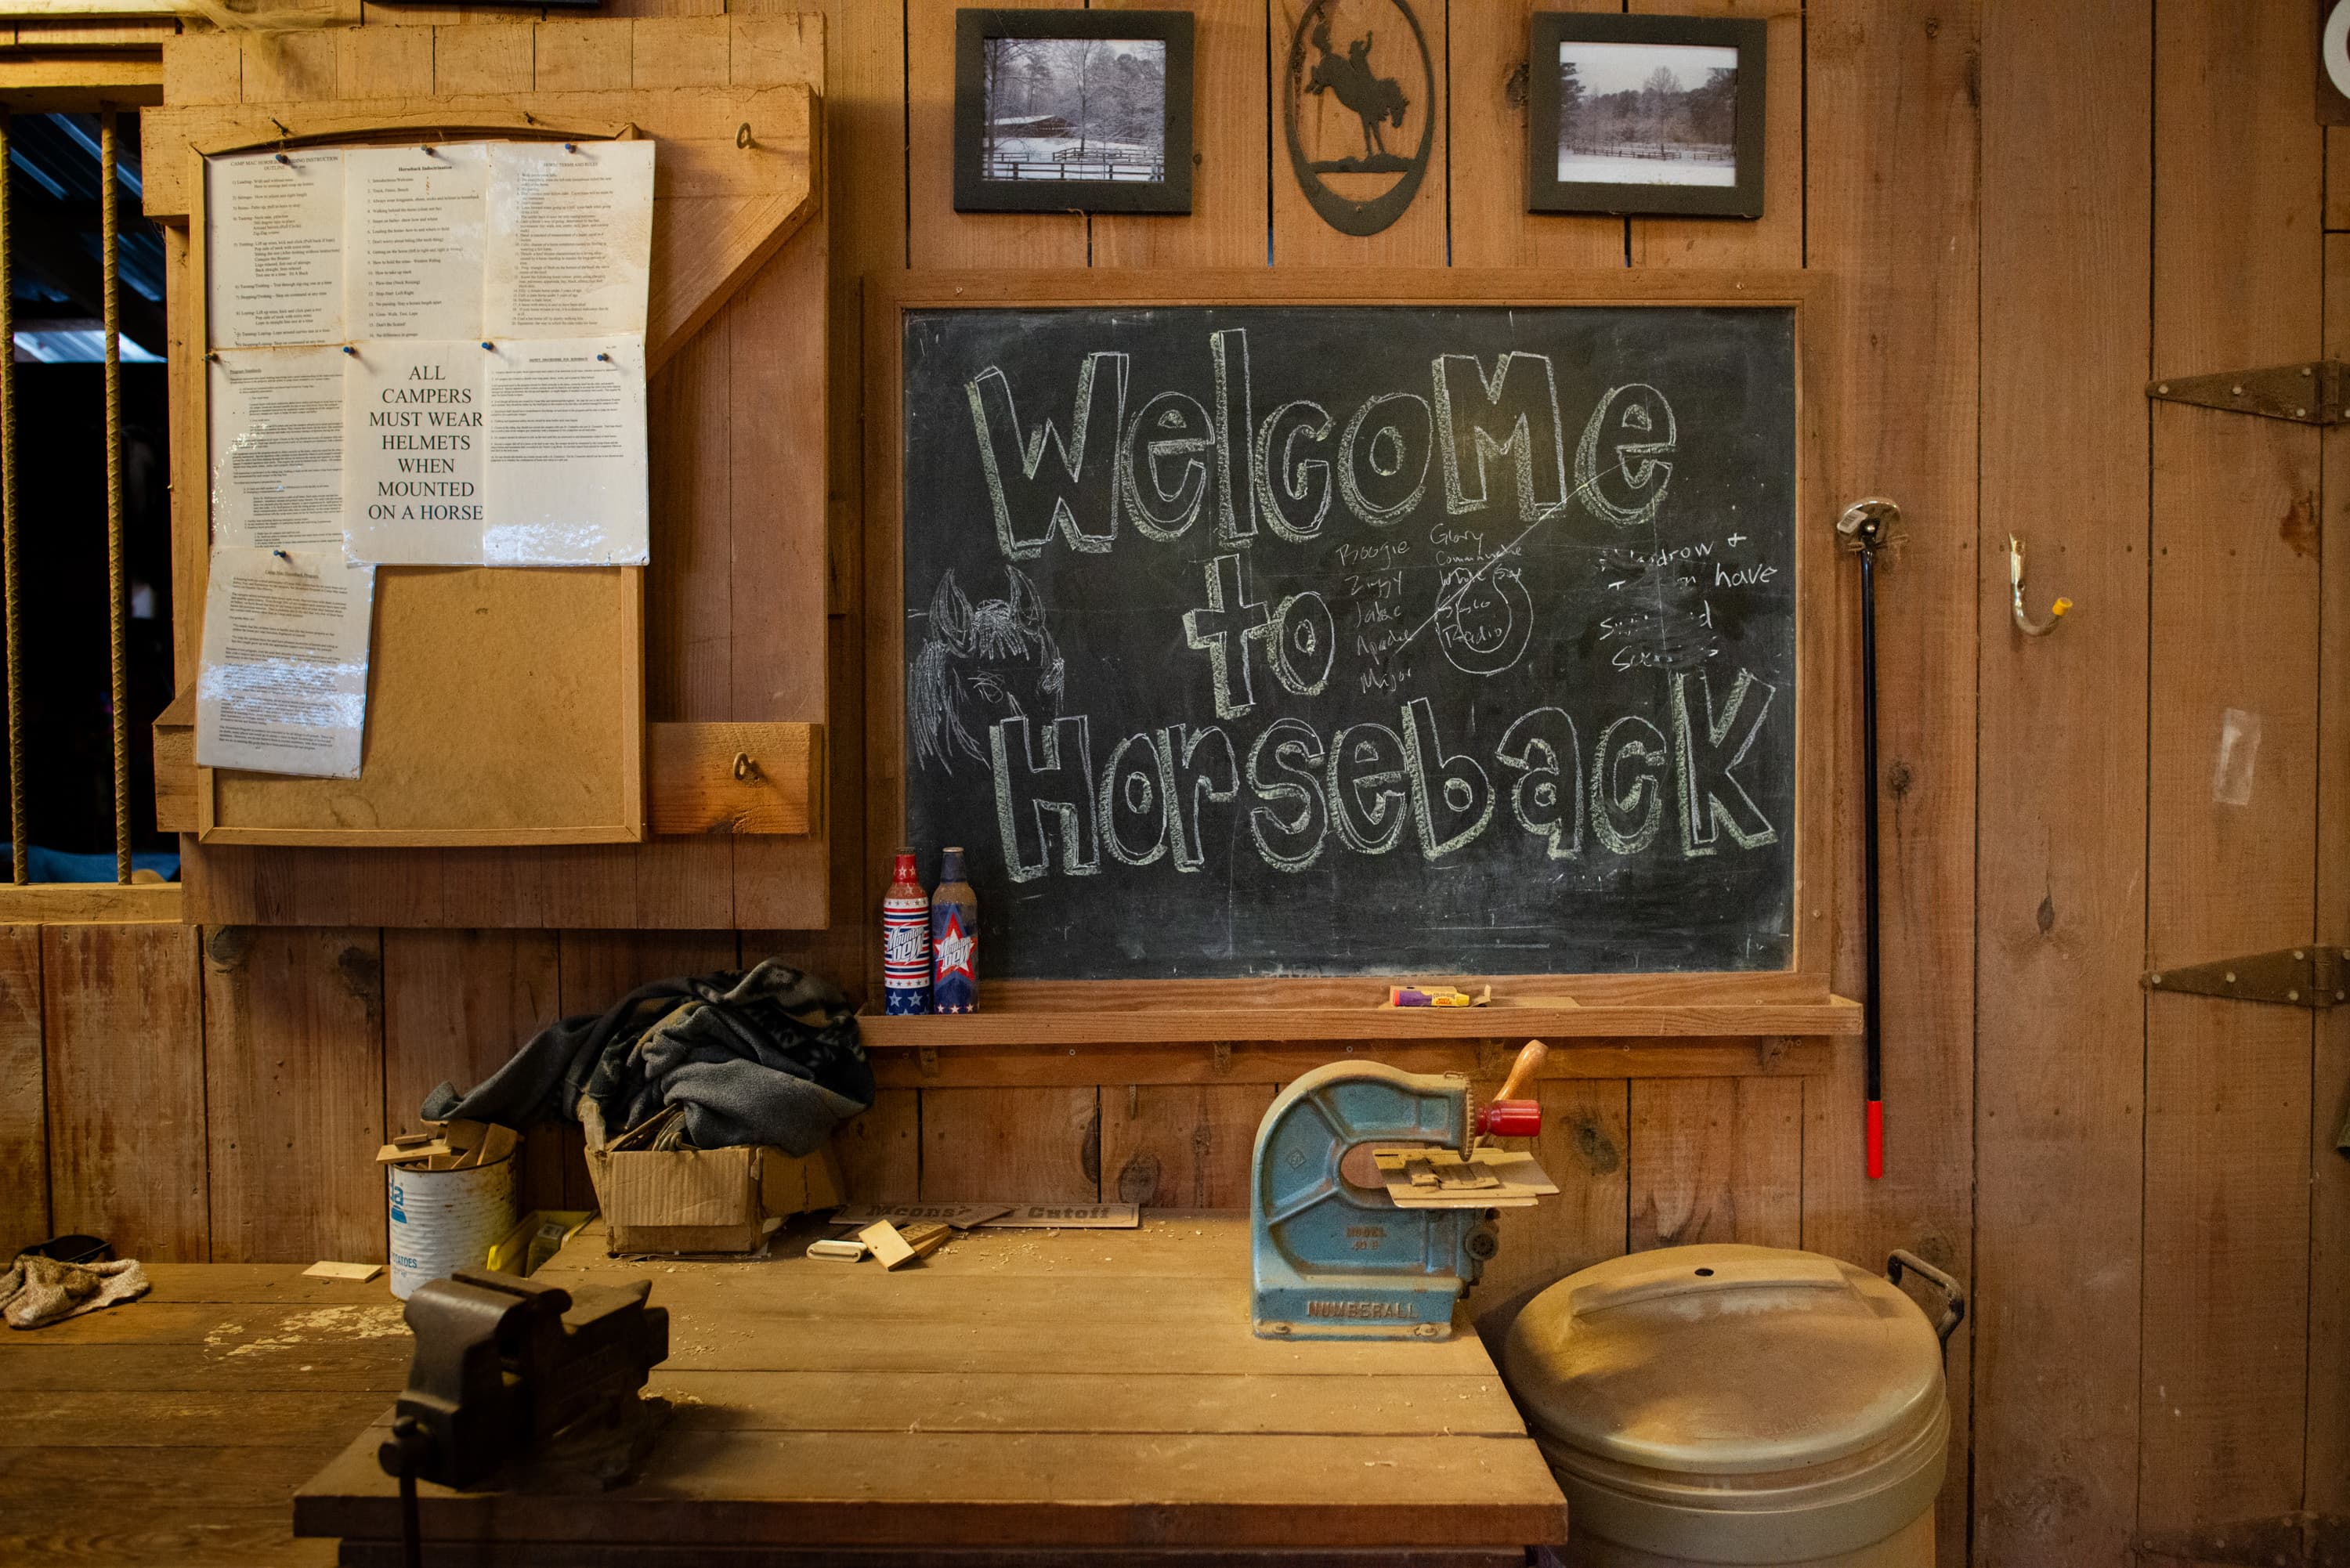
{"points": [[505, 706]]}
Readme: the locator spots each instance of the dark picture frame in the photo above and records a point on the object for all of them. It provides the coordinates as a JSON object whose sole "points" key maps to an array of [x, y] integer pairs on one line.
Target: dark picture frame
{"points": [[1551, 163], [1069, 179]]}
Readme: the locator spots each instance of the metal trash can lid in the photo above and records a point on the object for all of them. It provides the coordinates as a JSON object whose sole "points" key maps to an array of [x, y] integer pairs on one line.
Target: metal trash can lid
{"points": [[1726, 1360]]}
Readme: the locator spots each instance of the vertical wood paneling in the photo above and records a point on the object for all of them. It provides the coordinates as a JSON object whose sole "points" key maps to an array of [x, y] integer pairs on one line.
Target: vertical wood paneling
{"points": [[1716, 1160], [457, 1006], [24, 1093], [880, 1152], [2237, 280], [1490, 225], [1584, 1142], [1776, 238], [1891, 209], [2328, 1466], [1227, 224], [938, 235], [1326, 129], [779, 653], [2061, 907], [1179, 1146], [293, 1043], [689, 602], [122, 1010], [1027, 1146]]}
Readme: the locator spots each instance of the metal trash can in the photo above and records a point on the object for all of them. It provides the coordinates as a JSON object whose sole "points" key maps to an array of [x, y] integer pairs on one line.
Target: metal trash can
{"points": [[1738, 1404]]}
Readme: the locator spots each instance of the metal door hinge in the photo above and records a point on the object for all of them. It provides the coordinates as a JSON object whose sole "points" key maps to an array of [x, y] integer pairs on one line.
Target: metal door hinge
{"points": [[2310, 394], [2297, 977]]}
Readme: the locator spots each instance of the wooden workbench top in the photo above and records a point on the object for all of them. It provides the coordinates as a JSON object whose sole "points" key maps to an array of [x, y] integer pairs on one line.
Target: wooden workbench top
{"points": [[1019, 1389]]}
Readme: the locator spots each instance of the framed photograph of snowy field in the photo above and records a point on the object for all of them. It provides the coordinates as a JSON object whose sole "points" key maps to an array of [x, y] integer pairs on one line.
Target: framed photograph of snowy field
{"points": [[1062, 111], [1645, 115]]}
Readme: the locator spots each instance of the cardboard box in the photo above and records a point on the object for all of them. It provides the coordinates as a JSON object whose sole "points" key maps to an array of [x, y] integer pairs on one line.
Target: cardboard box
{"points": [[706, 1199]]}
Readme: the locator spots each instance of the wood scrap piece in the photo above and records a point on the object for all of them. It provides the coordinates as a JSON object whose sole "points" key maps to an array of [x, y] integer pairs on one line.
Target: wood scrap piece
{"points": [[361, 1273], [926, 1238], [1067, 1217], [887, 1244], [962, 1216]]}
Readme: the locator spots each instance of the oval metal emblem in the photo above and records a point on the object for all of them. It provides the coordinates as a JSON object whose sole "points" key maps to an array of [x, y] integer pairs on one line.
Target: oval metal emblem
{"points": [[1359, 79]]}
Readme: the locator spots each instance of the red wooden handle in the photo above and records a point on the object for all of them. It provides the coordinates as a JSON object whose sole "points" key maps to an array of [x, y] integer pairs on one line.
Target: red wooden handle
{"points": [[1876, 1139]]}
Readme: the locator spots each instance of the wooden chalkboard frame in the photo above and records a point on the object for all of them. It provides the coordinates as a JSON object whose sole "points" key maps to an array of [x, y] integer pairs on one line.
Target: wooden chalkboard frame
{"points": [[1793, 1001]]}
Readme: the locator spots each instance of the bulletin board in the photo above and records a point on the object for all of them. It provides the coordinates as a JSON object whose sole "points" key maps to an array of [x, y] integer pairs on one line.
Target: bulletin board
{"points": [[505, 705]]}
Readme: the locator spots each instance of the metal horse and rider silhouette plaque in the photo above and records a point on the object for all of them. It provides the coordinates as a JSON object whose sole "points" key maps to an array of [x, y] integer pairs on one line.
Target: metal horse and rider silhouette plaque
{"points": [[1360, 111]]}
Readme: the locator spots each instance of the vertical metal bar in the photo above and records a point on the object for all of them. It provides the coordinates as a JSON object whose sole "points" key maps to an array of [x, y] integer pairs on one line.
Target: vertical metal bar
{"points": [[10, 585], [118, 603]]}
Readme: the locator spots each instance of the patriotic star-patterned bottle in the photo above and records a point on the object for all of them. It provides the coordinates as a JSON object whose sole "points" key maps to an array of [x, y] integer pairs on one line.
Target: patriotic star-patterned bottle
{"points": [[954, 938], [905, 942]]}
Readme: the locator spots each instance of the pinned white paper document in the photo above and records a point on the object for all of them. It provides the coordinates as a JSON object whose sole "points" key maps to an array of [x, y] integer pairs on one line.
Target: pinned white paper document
{"points": [[570, 238], [568, 483], [277, 448], [283, 688], [412, 460], [275, 255], [413, 240]]}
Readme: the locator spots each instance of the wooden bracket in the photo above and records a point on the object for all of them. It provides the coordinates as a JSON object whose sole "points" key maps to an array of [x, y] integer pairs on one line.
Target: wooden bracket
{"points": [[737, 778], [2310, 976], [2310, 394], [927, 1058], [1223, 1057]]}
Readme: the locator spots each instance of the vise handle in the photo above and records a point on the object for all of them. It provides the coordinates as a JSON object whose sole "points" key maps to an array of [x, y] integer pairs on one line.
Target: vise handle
{"points": [[1508, 1115]]}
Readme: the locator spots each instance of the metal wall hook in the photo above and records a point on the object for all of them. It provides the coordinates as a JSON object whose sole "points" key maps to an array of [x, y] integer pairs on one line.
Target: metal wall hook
{"points": [[743, 766], [2023, 622]]}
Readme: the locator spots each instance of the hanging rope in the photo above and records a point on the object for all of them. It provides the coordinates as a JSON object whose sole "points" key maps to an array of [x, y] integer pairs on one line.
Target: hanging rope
{"points": [[11, 587], [109, 274]]}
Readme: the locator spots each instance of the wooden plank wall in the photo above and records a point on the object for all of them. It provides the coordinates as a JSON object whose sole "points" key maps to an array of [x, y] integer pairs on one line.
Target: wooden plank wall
{"points": [[2029, 212]]}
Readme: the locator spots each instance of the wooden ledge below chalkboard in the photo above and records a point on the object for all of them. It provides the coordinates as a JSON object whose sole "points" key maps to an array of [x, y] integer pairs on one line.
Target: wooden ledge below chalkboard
{"points": [[1549, 1018]]}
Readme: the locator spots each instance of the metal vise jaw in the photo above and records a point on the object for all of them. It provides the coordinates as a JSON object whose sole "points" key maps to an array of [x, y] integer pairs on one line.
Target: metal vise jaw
{"points": [[502, 1364], [1336, 1261]]}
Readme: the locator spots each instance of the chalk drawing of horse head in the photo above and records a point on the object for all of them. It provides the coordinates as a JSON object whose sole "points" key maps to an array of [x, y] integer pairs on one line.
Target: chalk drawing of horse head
{"points": [[979, 663]]}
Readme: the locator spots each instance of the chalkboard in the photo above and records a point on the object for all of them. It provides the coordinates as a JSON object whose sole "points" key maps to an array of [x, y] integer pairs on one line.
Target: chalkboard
{"points": [[1260, 640]]}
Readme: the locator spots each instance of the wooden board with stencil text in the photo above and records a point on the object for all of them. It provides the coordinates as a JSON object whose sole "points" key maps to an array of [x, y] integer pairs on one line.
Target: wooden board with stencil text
{"points": [[1298, 627]]}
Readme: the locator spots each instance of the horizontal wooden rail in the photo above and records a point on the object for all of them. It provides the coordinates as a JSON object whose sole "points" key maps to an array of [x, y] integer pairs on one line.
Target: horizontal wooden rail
{"points": [[1552, 1019], [1244, 1062]]}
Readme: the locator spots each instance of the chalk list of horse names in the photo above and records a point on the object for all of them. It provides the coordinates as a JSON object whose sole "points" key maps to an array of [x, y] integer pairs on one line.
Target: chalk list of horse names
{"points": [[1262, 640]]}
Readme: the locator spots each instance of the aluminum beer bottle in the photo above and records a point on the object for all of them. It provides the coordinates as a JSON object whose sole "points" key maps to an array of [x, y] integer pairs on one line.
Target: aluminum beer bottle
{"points": [[905, 942], [954, 938]]}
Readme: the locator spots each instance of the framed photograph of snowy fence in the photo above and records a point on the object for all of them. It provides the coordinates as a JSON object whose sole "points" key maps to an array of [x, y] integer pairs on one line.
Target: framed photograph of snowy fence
{"points": [[1073, 110], [1645, 115]]}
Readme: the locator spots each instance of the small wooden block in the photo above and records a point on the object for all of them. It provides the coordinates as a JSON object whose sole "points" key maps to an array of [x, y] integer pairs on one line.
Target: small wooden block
{"points": [[361, 1272], [887, 1244], [926, 1238], [696, 790]]}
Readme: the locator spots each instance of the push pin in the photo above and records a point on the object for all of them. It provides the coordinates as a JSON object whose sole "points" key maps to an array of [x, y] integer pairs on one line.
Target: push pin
{"points": [[351, 351], [603, 358], [282, 159], [572, 148], [490, 346], [283, 557], [212, 355]]}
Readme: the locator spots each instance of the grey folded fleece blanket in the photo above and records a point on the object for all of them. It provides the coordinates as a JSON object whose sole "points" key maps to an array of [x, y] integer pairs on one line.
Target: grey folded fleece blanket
{"points": [[765, 1057]]}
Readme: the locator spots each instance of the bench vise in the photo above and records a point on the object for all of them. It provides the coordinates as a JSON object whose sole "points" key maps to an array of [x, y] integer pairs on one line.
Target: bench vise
{"points": [[503, 1365], [1381, 1245]]}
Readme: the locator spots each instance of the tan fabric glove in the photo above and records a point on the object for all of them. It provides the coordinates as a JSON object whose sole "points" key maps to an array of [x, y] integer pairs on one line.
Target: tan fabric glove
{"points": [[36, 1290]]}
